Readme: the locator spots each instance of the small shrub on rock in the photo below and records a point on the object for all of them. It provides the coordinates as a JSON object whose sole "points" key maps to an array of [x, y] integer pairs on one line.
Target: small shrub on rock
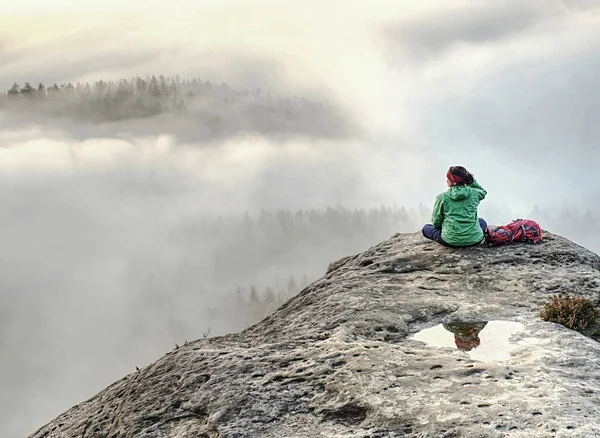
{"points": [[576, 312]]}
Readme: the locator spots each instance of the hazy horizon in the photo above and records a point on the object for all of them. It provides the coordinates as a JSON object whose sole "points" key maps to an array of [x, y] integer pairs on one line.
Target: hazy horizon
{"points": [[326, 104]]}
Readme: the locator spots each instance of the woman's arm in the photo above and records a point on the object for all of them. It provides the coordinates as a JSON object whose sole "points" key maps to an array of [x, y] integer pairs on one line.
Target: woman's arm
{"points": [[437, 217], [480, 190]]}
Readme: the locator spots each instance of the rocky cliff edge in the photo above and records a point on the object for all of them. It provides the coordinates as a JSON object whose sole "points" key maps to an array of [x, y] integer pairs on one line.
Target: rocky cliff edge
{"points": [[341, 358]]}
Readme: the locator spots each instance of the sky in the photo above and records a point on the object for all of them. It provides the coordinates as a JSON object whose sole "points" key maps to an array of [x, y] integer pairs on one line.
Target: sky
{"points": [[507, 89], [471, 83]]}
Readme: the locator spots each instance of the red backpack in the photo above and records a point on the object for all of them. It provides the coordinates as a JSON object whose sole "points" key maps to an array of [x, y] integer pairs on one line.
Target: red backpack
{"points": [[519, 230]]}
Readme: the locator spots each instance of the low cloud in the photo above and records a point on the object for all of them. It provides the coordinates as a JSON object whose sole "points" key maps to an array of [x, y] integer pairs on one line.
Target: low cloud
{"points": [[434, 33]]}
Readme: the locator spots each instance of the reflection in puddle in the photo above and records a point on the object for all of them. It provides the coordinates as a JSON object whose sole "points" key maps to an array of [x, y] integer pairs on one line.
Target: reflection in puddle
{"points": [[482, 340]]}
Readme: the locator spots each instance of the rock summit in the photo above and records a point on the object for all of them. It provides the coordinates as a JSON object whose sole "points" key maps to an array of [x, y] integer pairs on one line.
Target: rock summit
{"points": [[343, 358]]}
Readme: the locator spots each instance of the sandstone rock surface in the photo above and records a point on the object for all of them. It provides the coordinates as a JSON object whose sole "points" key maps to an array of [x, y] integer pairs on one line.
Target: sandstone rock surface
{"points": [[338, 360]]}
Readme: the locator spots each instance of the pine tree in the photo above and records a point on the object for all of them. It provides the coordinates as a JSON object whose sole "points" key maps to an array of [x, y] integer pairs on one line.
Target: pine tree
{"points": [[14, 91], [292, 288], [254, 295], [269, 297], [304, 280], [27, 90]]}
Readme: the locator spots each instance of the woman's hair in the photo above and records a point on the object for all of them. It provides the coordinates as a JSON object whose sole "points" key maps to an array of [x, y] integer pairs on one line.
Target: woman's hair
{"points": [[462, 173]]}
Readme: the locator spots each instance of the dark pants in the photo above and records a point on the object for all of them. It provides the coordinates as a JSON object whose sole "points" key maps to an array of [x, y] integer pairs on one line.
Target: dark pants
{"points": [[436, 233]]}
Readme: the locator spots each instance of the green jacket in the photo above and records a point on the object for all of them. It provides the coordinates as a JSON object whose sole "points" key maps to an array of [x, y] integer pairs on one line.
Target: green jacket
{"points": [[455, 212]]}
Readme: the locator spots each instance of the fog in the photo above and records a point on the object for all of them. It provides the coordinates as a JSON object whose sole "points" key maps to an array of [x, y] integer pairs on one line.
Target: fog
{"points": [[133, 221]]}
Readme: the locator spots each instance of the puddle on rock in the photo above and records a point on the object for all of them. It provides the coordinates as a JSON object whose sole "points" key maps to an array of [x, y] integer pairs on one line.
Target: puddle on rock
{"points": [[482, 340]]}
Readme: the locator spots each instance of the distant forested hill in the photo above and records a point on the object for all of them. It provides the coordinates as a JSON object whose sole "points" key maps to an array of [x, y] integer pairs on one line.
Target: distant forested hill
{"points": [[217, 110]]}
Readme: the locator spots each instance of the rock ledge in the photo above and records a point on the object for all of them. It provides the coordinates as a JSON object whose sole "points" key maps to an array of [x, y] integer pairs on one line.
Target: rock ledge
{"points": [[337, 360]]}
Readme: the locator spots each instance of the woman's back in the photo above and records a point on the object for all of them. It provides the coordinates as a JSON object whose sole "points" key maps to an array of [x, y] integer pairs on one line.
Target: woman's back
{"points": [[455, 221], [457, 214]]}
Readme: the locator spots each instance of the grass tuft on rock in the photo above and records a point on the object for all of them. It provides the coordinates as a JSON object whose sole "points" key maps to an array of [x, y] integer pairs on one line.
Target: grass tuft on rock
{"points": [[575, 312]]}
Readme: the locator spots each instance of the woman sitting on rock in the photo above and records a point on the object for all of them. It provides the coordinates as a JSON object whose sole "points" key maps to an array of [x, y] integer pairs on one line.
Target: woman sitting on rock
{"points": [[455, 219]]}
